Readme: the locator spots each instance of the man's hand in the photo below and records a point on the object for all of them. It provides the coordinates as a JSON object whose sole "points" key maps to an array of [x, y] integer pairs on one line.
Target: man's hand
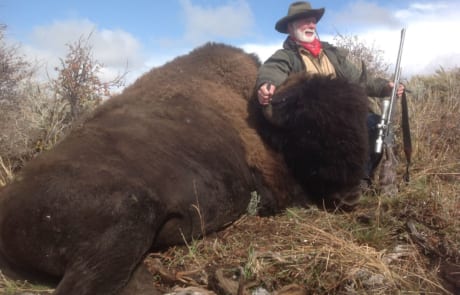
{"points": [[265, 93], [400, 90]]}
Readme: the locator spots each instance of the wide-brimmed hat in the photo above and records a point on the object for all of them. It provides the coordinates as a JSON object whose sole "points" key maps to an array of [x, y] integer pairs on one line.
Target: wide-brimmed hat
{"points": [[298, 10]]}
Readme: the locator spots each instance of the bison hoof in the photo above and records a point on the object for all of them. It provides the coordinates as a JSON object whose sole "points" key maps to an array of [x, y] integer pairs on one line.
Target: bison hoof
{"points": [[344, 201]]}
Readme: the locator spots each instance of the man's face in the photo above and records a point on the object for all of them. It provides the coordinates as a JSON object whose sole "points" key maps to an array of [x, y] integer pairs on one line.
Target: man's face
{"points": [[303, 29]]}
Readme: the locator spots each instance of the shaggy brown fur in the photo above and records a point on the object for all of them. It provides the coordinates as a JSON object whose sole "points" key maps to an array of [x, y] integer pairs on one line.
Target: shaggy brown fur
{"points": [[171, 158], [321, 131]]}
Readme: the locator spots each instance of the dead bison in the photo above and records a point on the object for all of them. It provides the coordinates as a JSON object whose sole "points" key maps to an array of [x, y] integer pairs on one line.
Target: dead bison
{"points": [[175, 156]]}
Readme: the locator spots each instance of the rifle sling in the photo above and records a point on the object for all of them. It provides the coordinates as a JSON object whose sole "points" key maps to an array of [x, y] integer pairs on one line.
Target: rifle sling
{"points": [[407, 143]]}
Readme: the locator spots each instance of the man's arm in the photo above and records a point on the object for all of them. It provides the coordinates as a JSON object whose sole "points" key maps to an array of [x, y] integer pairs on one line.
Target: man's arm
{"points": [[275, 70]]}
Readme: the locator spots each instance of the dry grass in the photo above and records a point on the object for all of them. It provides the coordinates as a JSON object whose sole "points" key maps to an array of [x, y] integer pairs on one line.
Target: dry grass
{"points": [[322, 252], [389, 245], [6, 172], [10, 287]]}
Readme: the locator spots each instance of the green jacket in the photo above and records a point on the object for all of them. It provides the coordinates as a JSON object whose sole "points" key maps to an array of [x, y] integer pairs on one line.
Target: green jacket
{"points": [[287, 60]]}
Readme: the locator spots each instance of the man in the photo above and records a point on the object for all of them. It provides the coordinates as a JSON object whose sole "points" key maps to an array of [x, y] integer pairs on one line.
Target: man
{"points": [[303, 51]]}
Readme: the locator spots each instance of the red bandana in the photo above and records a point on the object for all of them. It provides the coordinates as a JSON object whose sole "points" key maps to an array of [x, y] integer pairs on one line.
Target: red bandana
{"points": [[313, 47]]}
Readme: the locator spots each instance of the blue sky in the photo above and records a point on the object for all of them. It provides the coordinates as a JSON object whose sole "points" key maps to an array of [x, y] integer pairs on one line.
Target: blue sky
{"points": [[145, 34]]}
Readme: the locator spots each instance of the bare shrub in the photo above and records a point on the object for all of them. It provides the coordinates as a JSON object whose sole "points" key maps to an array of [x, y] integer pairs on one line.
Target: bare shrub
{"points": [[78, 82], [368, 53], [13, 69], [36, 115], [35, 123]]}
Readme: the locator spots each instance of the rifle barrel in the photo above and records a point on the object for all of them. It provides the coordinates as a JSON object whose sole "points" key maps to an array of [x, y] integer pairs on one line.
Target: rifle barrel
{"points": [[397, 77]]}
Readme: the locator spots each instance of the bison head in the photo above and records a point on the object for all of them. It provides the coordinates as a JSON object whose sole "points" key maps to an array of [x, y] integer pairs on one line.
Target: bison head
{"points": [[322, 134]]}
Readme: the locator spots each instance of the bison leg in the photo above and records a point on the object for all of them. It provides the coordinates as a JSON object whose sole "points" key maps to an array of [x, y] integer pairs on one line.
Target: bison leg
{"points": [[105, 264], [106, 268]]}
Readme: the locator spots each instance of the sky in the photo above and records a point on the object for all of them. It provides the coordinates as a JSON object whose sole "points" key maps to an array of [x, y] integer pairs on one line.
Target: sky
{"points": [[138, 35]]}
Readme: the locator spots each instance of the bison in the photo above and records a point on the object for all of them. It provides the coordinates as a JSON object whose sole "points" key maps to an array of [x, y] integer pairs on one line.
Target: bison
{"points": [[175, 156]]}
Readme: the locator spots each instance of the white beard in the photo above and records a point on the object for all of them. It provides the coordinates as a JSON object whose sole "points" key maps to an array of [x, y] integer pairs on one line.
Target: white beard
{"points": [[302, 36]]}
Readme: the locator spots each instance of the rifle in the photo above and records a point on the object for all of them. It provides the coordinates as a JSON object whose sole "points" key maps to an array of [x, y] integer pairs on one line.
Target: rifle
{"points": [[385, 136], [385, 131]]}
